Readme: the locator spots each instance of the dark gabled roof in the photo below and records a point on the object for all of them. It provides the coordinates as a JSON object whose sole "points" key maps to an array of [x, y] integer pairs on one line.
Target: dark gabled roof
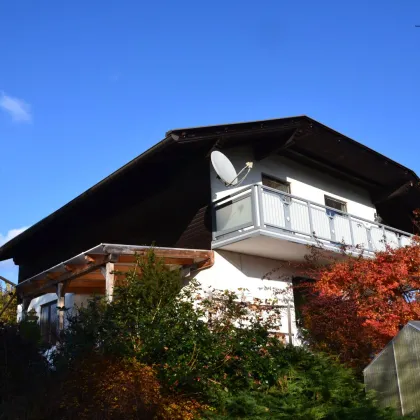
{"points": [[300, 138], [313, 142]]}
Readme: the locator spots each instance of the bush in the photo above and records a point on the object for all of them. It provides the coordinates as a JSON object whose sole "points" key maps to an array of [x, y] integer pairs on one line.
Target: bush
{"points": [[200, 352], [99, 387], [357, 304], [160, 351], [23, 370]]}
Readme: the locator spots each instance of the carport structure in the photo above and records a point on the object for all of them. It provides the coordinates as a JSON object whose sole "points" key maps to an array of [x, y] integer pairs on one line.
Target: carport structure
{"points": [[97, 270]]}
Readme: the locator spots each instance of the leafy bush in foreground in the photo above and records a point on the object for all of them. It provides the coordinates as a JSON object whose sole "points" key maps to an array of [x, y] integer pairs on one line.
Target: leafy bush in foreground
{"points": [[216, 353], [357, 305], [160, 351], [23, 370]]}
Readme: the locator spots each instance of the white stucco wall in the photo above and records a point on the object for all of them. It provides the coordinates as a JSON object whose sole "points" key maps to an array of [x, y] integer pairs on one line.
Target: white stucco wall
{"points": [[305, 182], [261, 276]]}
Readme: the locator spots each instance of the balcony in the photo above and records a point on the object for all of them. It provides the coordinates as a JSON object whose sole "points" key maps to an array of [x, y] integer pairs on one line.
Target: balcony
{"points": [[259, 220]]}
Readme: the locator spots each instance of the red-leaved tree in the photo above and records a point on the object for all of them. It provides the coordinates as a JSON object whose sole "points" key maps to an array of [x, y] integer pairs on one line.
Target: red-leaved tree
{"points": [[357, 305]]}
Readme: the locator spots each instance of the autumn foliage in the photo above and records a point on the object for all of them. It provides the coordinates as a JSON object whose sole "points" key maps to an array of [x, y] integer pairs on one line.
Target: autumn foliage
{"points": [[163, 351], [99, 387], [357, 305]]}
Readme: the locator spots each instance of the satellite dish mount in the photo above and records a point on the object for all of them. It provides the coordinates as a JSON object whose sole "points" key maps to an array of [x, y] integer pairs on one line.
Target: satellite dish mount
{"points": [[226, 171]]}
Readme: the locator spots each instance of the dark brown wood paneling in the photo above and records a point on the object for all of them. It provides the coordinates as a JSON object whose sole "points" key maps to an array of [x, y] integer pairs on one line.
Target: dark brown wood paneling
{"points": [[198, 232], [165, 206]]}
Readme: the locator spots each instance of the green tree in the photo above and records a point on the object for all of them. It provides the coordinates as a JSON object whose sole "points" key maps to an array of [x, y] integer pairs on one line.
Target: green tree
{"points": [[8, 304], [213, 349], [23, 370]]}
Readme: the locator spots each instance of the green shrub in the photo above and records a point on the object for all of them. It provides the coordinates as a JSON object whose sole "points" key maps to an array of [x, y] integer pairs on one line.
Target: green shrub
{"points": [[23, 370], [215, 350]]}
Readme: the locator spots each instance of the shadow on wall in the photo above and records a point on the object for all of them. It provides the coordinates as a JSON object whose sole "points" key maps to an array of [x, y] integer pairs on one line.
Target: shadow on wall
{"points": [[284, 168]]}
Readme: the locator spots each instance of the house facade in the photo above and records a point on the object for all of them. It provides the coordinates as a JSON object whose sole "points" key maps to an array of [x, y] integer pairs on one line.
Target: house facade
{"points": [[309, 186]]}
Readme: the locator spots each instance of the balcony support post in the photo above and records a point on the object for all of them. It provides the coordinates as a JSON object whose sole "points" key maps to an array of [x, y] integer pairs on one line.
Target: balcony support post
{"points": [[384, 235], [260, 205], [369, 236], [311, 222], [213, 222], [255, 207], [351, 232], [286, 208], [332, 230]]}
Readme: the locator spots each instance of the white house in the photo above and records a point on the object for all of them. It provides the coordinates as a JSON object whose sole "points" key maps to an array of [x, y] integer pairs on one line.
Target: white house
{"points": [[309, 185]]}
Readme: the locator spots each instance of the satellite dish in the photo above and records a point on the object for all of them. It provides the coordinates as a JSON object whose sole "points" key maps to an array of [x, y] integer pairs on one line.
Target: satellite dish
{"points": [[226, 171]]}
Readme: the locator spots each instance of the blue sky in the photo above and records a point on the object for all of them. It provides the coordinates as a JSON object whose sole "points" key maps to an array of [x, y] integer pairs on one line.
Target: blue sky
{"points": [[87, 85]]}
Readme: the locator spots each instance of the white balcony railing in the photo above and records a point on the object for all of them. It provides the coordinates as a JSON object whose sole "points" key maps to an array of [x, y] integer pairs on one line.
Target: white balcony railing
{"points": [[258, 207]]}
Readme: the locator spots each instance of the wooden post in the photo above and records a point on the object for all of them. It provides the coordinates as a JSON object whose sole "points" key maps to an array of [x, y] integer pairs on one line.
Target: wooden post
{"points": [[61, 301], [25, 305], [109, 281], [289, 323]]}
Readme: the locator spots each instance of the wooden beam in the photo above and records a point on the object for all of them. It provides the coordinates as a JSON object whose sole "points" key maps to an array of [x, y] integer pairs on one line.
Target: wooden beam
{"points": [[78, 267], [131, 259], [86, 283], [31, 289], [125, 267], [70, 288], [95, 276], [7, 281], [51, 289], [96, 258], [67, 276], [54, 275], [128, 254], [89, 259], [89, 273], [206, 263], [86, 290]]}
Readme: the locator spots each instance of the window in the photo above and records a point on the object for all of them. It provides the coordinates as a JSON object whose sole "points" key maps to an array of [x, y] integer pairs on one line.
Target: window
{"points": [[340, 206], [276, 184], [48, 322]]}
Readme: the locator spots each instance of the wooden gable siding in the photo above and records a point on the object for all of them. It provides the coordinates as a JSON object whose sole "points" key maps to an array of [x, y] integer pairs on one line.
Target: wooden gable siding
{"points": [[198, 232], [165, 209]]}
